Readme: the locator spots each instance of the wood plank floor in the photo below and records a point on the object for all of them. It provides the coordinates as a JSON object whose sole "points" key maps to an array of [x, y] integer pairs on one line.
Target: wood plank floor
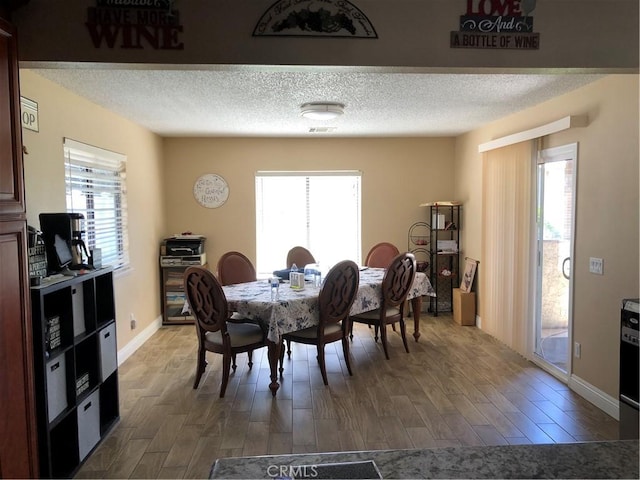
{"points": [[458, 386]]}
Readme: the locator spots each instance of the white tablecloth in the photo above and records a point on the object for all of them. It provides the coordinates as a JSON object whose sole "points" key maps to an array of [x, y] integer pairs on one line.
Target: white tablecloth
{"points": [[298, 309]]}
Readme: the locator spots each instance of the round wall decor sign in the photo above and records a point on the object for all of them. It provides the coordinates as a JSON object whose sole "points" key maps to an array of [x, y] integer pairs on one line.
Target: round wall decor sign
{"points": [[211, 190]]}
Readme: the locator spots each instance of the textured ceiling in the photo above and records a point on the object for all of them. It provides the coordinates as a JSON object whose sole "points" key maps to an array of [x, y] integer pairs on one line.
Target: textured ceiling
{"points": [[266, 101]]}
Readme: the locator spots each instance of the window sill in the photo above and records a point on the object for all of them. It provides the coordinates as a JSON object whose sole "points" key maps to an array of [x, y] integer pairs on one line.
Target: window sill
{"points": [[123, 271]]}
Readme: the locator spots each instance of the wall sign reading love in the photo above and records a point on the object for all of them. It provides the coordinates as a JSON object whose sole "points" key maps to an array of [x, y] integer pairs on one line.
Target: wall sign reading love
{"points": [[505, 24]]}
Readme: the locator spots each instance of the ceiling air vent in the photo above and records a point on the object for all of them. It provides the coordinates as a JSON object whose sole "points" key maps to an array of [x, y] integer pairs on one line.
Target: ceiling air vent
{"points": [[322, 129]]}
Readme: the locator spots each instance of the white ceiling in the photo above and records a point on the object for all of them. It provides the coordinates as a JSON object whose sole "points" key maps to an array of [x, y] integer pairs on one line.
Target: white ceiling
{"points": [[265, 101]]}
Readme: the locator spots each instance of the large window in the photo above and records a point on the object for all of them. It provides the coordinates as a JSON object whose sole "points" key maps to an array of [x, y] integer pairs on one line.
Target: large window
{"points": [[96, 188], [316, 210]]}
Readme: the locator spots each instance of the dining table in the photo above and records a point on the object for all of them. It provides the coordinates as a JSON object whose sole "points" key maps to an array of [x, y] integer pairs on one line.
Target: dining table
{"points": [[297, 309]]}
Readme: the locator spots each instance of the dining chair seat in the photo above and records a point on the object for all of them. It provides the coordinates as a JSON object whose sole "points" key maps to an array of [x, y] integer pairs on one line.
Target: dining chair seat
{"points": [[312, 332], [375, 314], [240, 335]]}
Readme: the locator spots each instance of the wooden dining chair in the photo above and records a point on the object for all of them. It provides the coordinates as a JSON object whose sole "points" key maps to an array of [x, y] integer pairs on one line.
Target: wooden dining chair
{"points": [[334, 302], [235, 267], [215, 334], [396, 284], [300, 256], [381, 255]]}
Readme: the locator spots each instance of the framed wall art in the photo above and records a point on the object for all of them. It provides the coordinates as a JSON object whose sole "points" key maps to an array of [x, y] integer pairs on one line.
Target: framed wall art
{"points": [[470, 267]]}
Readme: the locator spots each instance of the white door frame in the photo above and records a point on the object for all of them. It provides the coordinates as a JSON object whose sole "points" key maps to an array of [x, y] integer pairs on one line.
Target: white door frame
{"points": [[564, 152]]}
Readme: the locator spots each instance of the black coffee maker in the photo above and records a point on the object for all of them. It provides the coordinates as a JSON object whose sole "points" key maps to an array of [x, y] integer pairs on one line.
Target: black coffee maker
{"points": [[62, 234], [78, 248]]}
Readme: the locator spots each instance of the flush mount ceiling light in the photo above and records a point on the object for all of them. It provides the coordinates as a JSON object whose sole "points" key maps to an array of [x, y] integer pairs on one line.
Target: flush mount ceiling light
{"points": [[321, 110]]}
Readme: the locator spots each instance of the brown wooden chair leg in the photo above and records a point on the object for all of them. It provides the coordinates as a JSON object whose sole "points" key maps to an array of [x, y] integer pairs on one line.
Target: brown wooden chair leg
{"points": [[345, 353], [323, 368], [383, 338], [250, 355], [234, 362], [200, 367], [403, 332], [226, 364], [289, 348]]}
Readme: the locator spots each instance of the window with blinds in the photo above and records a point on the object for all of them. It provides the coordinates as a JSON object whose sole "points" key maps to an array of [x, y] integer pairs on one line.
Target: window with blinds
{"points": [[96, 188], [316, 210]]}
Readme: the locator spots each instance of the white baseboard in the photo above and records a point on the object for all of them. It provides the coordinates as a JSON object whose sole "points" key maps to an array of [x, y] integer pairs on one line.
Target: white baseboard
{"points": [[600, 399], [479, 322], [130, 348]]}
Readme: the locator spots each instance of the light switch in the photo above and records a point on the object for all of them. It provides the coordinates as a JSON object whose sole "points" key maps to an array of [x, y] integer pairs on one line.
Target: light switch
{"points": [[596, 266]]}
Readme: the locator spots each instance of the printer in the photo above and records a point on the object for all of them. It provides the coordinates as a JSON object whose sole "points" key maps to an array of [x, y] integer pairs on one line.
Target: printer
{"points": [[182, 250]]}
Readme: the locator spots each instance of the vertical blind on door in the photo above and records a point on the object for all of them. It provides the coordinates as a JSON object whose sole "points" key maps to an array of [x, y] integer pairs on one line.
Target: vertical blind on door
{"points": [[506, 243], [96, 188]]}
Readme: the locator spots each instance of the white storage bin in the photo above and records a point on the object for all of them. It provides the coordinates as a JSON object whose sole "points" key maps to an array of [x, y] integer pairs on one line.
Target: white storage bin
{"points": [[108, 352], [88, 424], [56, 386], [77, 301]]}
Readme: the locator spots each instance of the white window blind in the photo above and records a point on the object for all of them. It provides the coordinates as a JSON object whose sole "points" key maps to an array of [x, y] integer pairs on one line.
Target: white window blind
{"points": [[316, 210], [96, 188]]}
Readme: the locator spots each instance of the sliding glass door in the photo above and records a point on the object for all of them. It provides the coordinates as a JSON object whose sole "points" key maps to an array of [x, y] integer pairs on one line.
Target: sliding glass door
{"points": [[556, 183]]}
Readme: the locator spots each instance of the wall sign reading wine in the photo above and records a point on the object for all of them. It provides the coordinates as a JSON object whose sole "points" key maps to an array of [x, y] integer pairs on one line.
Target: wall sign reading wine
{"points": [[135, 24]]}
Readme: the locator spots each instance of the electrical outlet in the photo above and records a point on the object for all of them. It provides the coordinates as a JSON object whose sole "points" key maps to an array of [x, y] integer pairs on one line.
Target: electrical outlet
{"points": [[577, 349], [134, 322], [596, 266]]}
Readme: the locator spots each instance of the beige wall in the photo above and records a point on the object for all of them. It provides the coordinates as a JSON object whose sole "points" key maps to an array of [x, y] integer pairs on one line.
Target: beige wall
{"points": [[397, 175], [607, 209], [64, 114]]}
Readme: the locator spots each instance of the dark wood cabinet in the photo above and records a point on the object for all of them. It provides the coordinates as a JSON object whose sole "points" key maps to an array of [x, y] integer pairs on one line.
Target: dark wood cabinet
{"points": [[18, 434], [11, 171]]}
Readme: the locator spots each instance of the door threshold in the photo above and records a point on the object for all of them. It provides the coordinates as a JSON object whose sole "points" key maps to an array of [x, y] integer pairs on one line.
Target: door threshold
{"points": [[550, 368]]}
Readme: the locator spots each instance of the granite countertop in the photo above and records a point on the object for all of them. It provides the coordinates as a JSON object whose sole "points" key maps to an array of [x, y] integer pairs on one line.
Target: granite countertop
{"points": [[614, 459]]}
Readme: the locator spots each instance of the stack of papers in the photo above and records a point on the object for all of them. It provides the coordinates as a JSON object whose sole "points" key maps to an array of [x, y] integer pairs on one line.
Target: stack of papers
{"points": [[447, 246]]}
